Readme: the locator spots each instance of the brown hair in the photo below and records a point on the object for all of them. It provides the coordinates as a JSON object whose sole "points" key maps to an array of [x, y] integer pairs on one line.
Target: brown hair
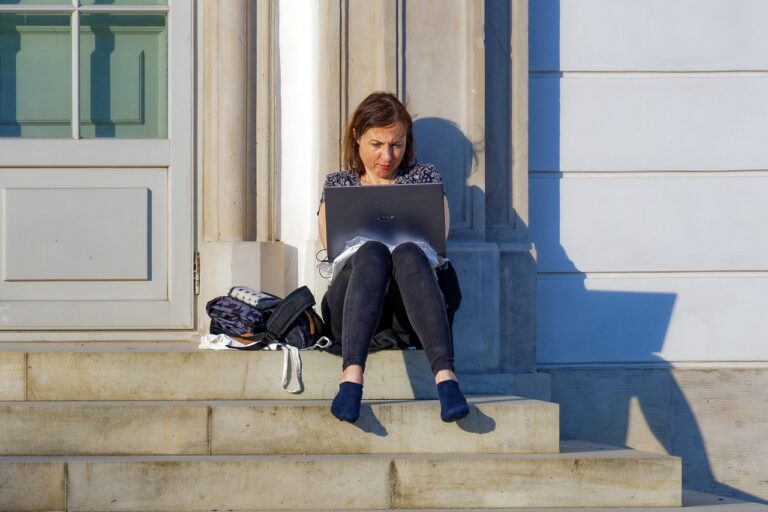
{"points": [[379, 109]]}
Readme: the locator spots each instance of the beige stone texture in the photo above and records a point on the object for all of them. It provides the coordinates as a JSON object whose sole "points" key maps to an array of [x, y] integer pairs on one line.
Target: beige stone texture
{"points": [[31, 486], [609, 478], [495, 425], [62, 428], [263, 483], [714, 418], [529, 385], [12, 372], [720, 420], [215, 375], [693, 501], [236, 375]]}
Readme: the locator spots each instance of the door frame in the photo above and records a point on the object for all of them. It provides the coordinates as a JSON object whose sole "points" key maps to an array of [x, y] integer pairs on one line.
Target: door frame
{"points": [[179, 151]]}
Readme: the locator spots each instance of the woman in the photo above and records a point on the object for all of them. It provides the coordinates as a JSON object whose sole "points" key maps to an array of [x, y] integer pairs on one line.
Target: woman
{"points": [[376, 289]]}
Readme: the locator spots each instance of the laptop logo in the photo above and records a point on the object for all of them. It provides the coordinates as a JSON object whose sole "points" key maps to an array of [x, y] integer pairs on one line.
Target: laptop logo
{"points": [[385, 218]]}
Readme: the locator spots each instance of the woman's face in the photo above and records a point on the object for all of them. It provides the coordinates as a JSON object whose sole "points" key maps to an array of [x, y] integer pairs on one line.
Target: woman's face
{"points": [[381, 149]]}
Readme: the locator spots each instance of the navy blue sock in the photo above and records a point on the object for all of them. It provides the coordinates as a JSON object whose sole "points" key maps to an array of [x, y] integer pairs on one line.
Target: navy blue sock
{"points": [[453, 405], [346, 405]]}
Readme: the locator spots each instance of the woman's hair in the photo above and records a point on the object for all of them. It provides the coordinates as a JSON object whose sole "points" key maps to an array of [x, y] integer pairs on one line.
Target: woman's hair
{"points": [[379, 109]]}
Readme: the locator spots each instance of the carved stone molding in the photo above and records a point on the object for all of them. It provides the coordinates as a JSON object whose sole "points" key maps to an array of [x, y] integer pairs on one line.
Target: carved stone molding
{"points": [[238, 120]]}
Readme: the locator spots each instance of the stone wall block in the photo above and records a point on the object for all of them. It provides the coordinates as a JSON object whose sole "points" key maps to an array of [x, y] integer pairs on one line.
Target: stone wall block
{"points": [[12, 376], [476, 325], [30, 486]]}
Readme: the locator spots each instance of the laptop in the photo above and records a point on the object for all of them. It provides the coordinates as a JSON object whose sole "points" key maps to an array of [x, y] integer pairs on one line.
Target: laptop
{"points": [[388, 213]]}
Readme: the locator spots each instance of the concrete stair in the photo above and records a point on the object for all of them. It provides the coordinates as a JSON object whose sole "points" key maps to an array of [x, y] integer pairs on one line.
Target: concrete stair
{"points": [[123, 428], [273, 427], [178, 371]]}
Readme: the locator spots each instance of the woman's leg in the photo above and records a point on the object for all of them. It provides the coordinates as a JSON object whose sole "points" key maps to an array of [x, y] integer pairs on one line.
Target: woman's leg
{"points": [[426, 311], [355, 300], [424, 305]]}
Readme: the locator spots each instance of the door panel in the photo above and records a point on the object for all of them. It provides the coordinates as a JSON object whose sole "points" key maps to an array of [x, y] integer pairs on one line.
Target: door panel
{"points": [[77, 234], [104, 239], [97, 225], [102, 263]]}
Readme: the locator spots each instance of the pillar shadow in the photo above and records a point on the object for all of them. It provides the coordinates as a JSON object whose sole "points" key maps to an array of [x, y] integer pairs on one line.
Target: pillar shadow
{"points": [[10, 46], [101, 71], [576, 323], [101, 82]]}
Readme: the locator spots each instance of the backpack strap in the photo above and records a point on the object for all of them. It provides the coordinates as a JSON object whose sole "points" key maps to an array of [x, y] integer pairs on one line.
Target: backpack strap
{"points": [[287, 312]]}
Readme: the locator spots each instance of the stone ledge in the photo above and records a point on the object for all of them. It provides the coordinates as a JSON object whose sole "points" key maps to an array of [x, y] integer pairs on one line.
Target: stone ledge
{"points": [[693, 501], [12, 376], [601, 478], [496, 425], [87, 428], [185, 374]]}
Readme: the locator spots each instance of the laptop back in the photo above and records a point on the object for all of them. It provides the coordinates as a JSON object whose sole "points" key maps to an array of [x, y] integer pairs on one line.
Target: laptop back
{"points": [[388, 213]]}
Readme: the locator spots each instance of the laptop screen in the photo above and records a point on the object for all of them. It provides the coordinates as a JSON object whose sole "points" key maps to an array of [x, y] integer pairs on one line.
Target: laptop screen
{"points": [[389, 213]]}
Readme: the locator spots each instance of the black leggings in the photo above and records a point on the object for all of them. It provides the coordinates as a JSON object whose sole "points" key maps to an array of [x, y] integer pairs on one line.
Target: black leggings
{"points": [[373, 281]]}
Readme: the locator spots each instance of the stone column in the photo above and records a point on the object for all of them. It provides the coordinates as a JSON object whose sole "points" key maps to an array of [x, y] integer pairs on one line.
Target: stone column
{"points": [[464, 76], [510, 217], [237, 145]]}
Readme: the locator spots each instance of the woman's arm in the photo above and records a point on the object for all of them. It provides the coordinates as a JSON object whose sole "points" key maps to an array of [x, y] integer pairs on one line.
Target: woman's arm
{"points": [[321, 224]]}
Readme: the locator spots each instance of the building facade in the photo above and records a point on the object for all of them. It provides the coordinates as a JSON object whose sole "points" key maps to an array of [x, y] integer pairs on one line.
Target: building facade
{"points": [[175, 148]]}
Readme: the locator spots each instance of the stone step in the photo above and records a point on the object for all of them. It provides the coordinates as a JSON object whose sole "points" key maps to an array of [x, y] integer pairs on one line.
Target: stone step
{"points": [[582, 475], [693, 501], [181, 372], [495, 425]]}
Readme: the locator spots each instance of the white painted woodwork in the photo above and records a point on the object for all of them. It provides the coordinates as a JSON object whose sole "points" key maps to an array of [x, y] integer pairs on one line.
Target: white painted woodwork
{"points": [[650, 35], [81, 234], [85, 152], [652, 318], [98, 234], [112, 202], [642, 123], [650, 222]]}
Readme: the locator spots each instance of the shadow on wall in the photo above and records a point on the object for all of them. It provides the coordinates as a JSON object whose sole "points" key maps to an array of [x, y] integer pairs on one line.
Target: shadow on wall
{"points": [[576, 324], [440, 142], [498, 284]]}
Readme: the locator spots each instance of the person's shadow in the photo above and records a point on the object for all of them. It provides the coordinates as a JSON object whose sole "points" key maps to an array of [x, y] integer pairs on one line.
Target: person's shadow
{"points": [[609, 326]]}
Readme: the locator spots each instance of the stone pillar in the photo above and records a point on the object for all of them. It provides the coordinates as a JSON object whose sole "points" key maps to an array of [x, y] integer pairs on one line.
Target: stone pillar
{"points": [[238, 226], [464, 76], [509, 213]]}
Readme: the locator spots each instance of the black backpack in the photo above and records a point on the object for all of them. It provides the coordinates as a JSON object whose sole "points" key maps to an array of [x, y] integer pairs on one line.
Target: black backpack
{"points": [[267, 319], [262, 321]]}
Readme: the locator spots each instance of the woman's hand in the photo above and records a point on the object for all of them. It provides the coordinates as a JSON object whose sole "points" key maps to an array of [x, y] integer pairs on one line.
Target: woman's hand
{"points": [[321, 224], [447, 217]]}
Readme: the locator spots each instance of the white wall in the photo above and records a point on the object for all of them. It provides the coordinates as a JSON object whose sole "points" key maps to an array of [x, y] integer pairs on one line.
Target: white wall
{"points": [[649, 173], [299, 136]]}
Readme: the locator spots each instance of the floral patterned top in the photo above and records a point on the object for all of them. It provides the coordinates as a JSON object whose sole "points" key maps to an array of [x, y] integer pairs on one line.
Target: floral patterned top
{"points": [[415, 173]]}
